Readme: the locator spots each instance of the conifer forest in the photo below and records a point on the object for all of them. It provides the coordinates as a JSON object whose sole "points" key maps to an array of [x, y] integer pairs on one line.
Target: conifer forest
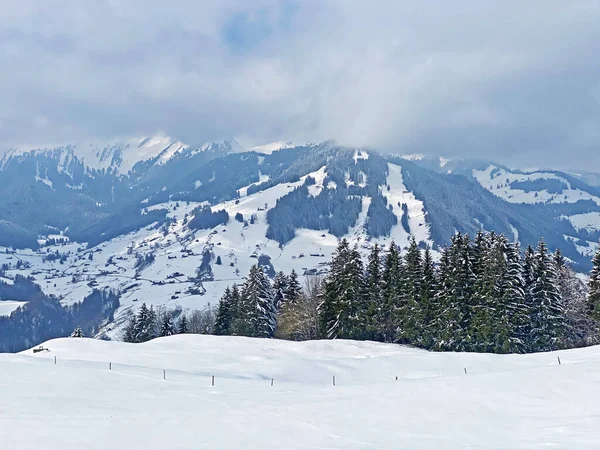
{"points": [[484, 294]]}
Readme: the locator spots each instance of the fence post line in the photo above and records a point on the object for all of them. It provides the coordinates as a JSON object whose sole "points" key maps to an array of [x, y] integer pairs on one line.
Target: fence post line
{"points": [[55, 360], [559, 360], [109, 366], [164, 374], [271, 381], [465, 370], [213, 380], [334, 380]]}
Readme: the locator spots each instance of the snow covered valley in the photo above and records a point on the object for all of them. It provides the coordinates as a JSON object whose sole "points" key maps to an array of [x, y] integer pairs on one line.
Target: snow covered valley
{"points": [[385, 396]]}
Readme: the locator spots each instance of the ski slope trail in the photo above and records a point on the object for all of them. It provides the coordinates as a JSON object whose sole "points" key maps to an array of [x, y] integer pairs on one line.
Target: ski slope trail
{"points": [[277, 394]]}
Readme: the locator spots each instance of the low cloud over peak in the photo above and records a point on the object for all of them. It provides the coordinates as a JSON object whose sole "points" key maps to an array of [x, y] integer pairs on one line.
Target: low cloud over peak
{"points": [[514, 82]]}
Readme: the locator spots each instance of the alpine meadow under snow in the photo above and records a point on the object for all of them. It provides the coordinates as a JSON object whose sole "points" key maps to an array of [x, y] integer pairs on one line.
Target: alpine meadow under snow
{"points": [[275, 394]]}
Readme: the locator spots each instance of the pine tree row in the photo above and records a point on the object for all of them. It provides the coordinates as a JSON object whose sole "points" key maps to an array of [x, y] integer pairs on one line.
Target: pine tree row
{"points": [[482, 295], [147, 325], [254, 309]]}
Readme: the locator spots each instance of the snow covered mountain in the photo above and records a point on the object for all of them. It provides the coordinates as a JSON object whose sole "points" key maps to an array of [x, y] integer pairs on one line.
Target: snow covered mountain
{"points": [[170, 224], [566, 194], [118, 156]]}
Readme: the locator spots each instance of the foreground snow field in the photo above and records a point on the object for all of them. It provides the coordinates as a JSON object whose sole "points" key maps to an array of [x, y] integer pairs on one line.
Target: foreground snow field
{"points": [[502, 402]]}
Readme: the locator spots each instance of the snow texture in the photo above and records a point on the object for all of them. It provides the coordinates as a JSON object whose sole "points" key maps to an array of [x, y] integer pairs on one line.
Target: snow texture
{"points": [[498, 181], [8, 306], [501, 402]]}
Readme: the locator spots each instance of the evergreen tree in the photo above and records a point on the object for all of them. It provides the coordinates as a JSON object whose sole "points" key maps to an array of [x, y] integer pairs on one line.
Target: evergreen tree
{"points": [[293, 290], [258, 311], [446, 323], [183, 325], [129, 331], [145, 324], [548, 321], [266, 307], [167, 328], [329, 309], [480, 248], [411, 314], [488, 321], [528, 272], [77, 333], [353, 315], [428, 289], [342, 313], [280, 287], [593, 299], [225, 318], [515, 301], [464, 283], [234, 309], [372, 294], [153, 323], [559, 259], [391, 285]]}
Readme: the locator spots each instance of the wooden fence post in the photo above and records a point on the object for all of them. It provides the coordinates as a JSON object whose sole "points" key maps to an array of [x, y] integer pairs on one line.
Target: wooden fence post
{"points": [[109, 366], [558, 360], [55, 360], [213, 380], [465, 370], [334, 380], [164, 374]]}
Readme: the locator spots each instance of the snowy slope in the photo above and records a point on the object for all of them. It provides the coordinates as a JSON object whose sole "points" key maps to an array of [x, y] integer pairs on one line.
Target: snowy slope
{"points": [[517, 401], [528, 188], [119, 155], [178, 251], [498, 180], [278, 145], [8, 306], [396, 196]]}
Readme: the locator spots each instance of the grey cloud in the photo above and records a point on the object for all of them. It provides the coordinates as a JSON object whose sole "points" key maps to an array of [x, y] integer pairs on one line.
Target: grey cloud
{"points": [[518, 82]]}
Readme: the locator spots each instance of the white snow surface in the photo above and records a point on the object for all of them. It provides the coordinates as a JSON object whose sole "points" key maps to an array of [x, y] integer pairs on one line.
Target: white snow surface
{"points": [[278, 145], [502, 402], [498, 181], [396, 196], [8, 306], [586, 221], [118, 154]]}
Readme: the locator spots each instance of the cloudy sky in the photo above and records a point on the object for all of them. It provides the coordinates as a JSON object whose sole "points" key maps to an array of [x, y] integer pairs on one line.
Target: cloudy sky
{"points": [[518, 82]]}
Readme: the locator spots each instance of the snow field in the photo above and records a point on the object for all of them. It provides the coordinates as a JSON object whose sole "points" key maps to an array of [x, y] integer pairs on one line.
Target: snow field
{"points": [[514, 401], [498, 180], [8, 306]]}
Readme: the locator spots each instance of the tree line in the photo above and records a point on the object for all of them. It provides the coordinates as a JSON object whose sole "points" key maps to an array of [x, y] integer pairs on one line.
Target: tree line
{"points": [[149, 323], [483, 294]]}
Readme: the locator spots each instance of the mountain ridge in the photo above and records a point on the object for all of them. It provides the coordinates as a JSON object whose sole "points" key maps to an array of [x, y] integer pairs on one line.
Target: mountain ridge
{"points": [[176, 234]]}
